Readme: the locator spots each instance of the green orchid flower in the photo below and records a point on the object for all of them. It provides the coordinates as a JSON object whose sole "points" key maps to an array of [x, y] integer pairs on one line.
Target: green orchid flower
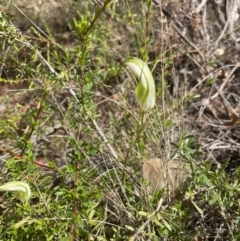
{"points": [[21, 189], [145, 90]]}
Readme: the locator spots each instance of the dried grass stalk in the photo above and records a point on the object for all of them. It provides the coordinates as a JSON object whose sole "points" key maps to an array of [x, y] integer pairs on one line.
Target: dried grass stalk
{"points": [[171, 175]]}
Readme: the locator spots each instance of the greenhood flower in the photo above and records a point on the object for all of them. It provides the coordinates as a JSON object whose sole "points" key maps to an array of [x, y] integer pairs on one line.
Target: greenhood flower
{"points": [[145, 90], [22, 190]]}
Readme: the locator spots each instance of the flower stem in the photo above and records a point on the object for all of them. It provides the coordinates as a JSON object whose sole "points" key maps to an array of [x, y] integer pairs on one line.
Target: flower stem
{"points": [[141, 129]]}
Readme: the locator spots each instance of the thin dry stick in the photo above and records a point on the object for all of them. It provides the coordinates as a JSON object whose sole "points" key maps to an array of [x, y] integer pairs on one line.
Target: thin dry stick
{"points": [[114, 154], [39, 29], [200, 6], [204, 21], [100, 132], [229, 22], [228, 79], [233, 16], [190, 42], [208, 76]]}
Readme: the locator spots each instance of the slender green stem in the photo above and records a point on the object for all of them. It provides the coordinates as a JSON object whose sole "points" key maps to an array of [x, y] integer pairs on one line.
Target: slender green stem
{"points": [[141, 129]]}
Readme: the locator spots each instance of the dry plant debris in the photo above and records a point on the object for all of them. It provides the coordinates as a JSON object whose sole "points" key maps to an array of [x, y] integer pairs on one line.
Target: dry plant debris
{"points": [[171, 175]]}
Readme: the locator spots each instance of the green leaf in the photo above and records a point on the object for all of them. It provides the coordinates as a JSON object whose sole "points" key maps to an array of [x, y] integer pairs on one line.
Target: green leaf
{"points": [[22, 222], [90, 216], [142, 213], [129, 227], [198, 208], [167, 225]]}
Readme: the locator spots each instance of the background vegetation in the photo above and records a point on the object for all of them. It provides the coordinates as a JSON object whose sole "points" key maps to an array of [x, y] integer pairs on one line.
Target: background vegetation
{"points": [[68, 116]]}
